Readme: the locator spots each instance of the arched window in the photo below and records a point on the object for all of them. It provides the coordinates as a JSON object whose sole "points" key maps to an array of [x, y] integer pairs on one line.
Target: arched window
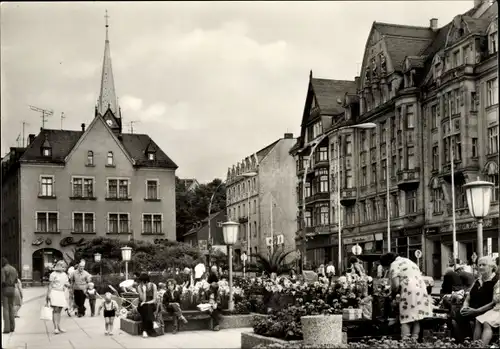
{"points": [[90, 158], [111, 160]]}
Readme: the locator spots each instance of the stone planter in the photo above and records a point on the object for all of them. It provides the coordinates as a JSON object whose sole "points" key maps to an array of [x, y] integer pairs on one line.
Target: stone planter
{"points": [[321, 330], [236, 321], [130, 326], [250, 340]]}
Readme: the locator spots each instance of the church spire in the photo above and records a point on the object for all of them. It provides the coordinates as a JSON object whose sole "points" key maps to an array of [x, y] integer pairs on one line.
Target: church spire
{"points": [[107, 96]]}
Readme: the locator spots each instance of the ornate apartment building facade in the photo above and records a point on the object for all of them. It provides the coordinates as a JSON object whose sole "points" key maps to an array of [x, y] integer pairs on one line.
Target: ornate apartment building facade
{"points": [[67, 187], [415, 82], [260, 194]]}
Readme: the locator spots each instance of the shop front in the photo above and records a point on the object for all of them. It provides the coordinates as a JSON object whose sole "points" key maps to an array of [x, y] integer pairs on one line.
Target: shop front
{"points": [[405, 242], [369, 243], [321, 249], [439, 241]]}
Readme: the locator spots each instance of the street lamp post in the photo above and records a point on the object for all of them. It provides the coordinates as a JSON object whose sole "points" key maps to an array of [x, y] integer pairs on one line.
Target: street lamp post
{"points": [[230, 231], [316, 143], [479, 200], [126, 256], [97, 259]]}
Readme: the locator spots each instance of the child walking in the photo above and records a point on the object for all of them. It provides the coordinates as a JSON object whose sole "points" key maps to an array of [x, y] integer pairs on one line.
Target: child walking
{"points": [[92, 296], [110, 307]]}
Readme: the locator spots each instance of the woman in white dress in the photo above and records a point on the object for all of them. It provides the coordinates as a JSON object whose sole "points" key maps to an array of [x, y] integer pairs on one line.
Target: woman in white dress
{"points": [[56, 294]]}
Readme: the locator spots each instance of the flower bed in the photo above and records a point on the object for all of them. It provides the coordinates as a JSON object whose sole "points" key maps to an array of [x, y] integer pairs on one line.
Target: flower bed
{"points": [[375, 344]]}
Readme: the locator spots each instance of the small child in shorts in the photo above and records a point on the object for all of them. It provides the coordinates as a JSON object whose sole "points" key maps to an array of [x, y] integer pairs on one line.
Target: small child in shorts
{"points": [[110, 311], [92, 296]]}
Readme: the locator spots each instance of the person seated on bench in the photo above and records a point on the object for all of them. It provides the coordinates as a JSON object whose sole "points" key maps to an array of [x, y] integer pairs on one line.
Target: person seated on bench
{"points": [[171, 304], [212, 297], [478, 301]]}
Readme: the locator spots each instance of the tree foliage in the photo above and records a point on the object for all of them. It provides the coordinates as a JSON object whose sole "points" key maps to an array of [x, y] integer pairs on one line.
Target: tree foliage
{"points": [[192, 206], [146, 256]]}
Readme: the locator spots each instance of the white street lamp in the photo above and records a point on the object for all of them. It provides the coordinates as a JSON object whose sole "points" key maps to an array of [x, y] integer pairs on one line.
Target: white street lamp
{"points": [[97, 259], [230, 232], [479, 200], [126, 256]]}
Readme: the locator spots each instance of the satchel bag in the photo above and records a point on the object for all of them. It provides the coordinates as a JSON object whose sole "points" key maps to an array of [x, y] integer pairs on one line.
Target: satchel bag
{"points": [[46, 313]]}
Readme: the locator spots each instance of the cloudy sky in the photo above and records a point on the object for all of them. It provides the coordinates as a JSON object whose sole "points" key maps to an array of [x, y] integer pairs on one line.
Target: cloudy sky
{"points": [[210, 82]]}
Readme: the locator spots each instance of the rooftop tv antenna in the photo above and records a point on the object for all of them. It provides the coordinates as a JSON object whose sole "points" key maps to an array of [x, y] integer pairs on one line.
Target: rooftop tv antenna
{"points": [[45, 113], [131, 125]]}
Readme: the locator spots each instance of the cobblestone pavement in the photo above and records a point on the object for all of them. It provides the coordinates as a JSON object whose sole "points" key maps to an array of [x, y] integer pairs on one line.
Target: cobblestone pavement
{"points": [[88, 332]]}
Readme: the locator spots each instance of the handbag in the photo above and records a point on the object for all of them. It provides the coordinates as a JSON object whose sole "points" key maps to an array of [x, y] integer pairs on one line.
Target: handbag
{"points": [[46, 313]]}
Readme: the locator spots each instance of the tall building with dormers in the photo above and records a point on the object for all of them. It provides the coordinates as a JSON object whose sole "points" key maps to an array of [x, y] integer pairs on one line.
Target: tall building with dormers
{"points": [[425, 88], [261, 196], [67, 187]]}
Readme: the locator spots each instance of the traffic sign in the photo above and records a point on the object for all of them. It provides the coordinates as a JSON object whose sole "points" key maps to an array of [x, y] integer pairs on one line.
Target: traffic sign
{"points": [[244, 257], [418, 254], [356, 250]]}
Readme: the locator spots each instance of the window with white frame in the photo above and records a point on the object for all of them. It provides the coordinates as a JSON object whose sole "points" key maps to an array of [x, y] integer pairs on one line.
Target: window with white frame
{"points": [[323, 181], [308, 189], [324, 215], [118, 188], [47, 186], [495, 193], [152, 189], [47, 222], [322, 154], [437, 200], [475, 147], [491, 92], [83, 187], [434, 116], [90, 158], [317, 129], [493, 139], [152, 223], [410, 157], [110, 159], [493, 42], [348, 145], [410, 116], [308, 218], [83, 222], [411, 202], [349, 215], [118, 223]]}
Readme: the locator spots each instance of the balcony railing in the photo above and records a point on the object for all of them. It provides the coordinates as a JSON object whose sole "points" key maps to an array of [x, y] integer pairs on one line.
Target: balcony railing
{"points": [[243, 219], [318, 197], [348, 196], [408, 177]]}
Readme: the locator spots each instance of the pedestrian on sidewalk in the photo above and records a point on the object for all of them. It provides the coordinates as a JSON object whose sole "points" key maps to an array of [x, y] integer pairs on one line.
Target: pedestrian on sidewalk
{"points": [[110, 307], [92, 296], [9, 279], [80, 281], [147, 299], [18, 299], [56, 294]]}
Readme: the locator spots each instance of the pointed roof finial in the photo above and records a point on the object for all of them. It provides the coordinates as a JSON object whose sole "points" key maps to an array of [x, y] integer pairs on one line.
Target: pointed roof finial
{"points": [[310, 74], [107, 96], [107, 24]]}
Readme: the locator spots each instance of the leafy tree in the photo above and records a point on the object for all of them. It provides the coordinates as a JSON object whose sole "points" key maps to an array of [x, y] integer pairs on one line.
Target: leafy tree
{"points": [[146, 255], [273, 263], [192, 206]]}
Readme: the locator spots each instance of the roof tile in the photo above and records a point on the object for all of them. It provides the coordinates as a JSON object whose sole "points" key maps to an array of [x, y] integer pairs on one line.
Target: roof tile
{"points": [[328, 92]]}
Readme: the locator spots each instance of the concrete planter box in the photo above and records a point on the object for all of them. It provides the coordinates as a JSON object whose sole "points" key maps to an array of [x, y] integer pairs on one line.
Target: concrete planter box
{"points": [[236, 321], [319, 330], [130, 326], [250, 340]]}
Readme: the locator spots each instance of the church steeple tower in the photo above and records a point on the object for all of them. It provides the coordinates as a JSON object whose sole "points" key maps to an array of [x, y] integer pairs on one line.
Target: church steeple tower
{"points": [[107, 96]]}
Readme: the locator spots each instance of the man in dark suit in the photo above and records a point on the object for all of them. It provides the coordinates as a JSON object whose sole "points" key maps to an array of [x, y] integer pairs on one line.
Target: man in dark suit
{"points": [[9, 280], [171, 303]]}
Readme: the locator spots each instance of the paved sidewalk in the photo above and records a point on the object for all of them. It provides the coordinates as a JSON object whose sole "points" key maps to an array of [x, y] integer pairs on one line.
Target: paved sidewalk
{"points": [[88, 332]]}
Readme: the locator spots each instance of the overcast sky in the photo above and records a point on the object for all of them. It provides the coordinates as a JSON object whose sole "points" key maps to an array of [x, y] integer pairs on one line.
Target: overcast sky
{"points": [[210, 82]]}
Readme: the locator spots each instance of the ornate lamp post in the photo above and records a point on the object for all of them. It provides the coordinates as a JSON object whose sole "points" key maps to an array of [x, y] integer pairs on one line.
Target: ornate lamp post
{"points": [[97, 259], [478, 200], [126, 256], [230, 232]]}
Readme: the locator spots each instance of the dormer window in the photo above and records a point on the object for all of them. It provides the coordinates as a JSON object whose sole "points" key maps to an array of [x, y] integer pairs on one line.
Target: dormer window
{"points": [[46, 148], [151, 156], [111, 160], [90, 158], [493, 40], [46, 152]]}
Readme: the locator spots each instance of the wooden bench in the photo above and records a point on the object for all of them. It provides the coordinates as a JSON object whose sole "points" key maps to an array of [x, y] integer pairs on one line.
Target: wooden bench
{"points": [[197, 320]]}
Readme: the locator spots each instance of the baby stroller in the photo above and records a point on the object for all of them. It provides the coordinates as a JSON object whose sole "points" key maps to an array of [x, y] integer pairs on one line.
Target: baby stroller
{"points": [[126, 302]]}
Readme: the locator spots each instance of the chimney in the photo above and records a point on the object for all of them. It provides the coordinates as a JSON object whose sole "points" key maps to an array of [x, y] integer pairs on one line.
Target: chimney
{"points": [[434, 23], [288, 135], [357, 82], [31, 138], [83, 127]]}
